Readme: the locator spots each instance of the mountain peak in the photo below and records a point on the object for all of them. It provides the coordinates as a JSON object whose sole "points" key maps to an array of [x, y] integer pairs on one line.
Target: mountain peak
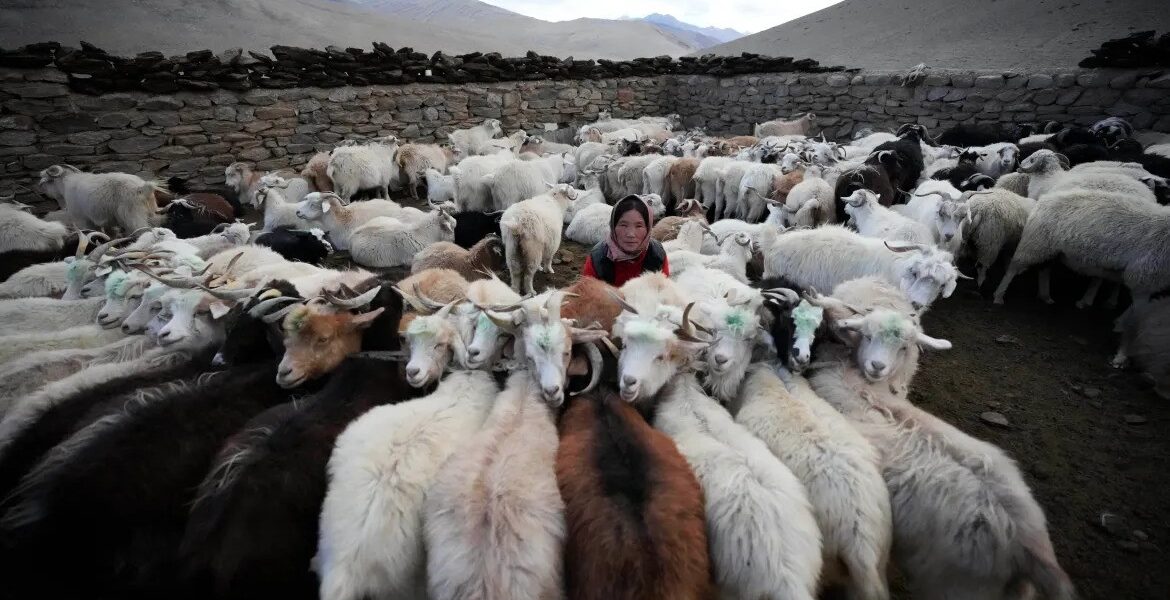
{"points": [[670, 21]]}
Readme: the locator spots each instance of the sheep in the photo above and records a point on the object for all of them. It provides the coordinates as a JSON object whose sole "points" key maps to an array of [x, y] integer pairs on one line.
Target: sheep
{"points": [[735, 250], [876, 221], [591, 224], [958, 531], [20, 230], [383, 464], [316, 172], [296, 245], [839, 470], [632, 505], [531, 230], [440, 188], [353, 168], [800, 126], [414, 160], [996, 219], [824, 257], [494, 518], [485, 256], [105, 200], [777, 552], [469, 141], [472, 189], [340, 219], [1099, 233], [520, 180], [387, 242]]}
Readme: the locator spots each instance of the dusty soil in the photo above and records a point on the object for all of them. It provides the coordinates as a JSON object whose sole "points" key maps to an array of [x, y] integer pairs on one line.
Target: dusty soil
{"points": [[1088, 438]]}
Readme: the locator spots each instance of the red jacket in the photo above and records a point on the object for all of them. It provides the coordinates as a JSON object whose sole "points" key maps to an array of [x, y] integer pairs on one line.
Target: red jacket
{"points": [[625, 270]]}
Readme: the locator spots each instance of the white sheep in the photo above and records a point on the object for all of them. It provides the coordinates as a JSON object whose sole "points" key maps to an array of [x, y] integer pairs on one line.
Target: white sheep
{"points": [[876, 221], [469, 141], [472, 192], [590, 225], [532, 234], [388, 242], [102, 200], [494, 518], [340, 220], [996, 220], [354, 168], [524, 179], [827, 256], [840, 471], [1098, 234], [20, 230], [372, 530]]}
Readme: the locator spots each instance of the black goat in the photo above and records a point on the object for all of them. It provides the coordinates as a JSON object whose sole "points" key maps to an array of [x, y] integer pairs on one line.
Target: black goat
{"points": [[1030, 148], [966, 135], [962, 171], [867, 177], [297, 244], [1129, 150], [15, 260], [783, 327], [902, 160], [198, 214], [471, 226]]}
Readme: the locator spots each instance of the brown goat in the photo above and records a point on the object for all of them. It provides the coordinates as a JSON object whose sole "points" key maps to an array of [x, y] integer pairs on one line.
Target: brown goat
{"points": [[439, 285], [317, 338], [633, 508], [680, 182], [593, 303], [486, 255], [743, 141], [415, 159], [316, 172], [667, 228]]}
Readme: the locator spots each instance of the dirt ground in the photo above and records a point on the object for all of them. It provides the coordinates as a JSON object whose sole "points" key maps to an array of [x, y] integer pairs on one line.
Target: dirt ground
{"points": [[1088, 438]]}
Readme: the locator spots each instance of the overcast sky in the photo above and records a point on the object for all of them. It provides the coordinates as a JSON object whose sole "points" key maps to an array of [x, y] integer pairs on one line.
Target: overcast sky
{"points": [[748, 16]]}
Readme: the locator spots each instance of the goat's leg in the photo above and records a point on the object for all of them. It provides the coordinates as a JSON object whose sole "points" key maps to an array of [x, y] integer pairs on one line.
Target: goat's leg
{"points": [[981, 274], [1044, 282], [1013, 270], [1090, 295], [529, 276], [1114, 298]]}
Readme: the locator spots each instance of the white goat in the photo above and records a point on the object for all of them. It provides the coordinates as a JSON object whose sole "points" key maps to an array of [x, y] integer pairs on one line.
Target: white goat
{"points": [[102, 200], [654, 175], [523, 179], [494, 518], [800, 126], [388, 242], [776, 553], [735, 250], [470, 141], [20, 230], [472, 192], [840, 471], [354, 168], [278, 211], [340, 219], [996, 220], [532, 235], [372, 531], [440, 188], [876, 221], [827, 256], [810, 203]]}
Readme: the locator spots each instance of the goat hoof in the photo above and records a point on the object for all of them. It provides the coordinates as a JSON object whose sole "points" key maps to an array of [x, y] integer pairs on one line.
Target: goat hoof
{"points": [[1119, 362], [1048, 300], [997, 300], [1081, 305]]}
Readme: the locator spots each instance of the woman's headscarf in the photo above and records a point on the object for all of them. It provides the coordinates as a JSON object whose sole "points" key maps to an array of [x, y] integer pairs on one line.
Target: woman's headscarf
{"points": [[631, 202]]}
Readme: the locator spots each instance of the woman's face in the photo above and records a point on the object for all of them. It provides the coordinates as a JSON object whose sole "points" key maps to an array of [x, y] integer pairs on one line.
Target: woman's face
{"points": [[630, 231]]}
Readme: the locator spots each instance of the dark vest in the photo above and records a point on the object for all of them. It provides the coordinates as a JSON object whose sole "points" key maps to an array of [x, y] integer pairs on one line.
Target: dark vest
{"points": [[603, 266]]}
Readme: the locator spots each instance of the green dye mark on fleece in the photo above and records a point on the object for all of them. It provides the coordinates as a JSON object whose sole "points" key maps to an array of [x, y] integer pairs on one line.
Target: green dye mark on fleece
{"points": [[807, 318], [892, 328]]}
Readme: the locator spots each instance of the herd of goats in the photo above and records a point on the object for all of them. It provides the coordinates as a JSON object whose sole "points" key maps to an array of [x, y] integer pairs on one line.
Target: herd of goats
{"points": [[199, 409]]}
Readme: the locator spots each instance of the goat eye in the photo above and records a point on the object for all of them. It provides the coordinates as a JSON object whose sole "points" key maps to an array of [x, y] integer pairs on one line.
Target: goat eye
{"points": [[660, 357], [322, 340]]}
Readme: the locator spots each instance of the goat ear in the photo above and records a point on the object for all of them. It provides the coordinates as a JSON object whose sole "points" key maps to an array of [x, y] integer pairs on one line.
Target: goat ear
{"points": [[325, 207], [219, 309], [366, 319]]}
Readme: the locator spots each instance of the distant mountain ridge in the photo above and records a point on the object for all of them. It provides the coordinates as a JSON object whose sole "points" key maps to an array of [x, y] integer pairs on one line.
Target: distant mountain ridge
{"points": [[720, 35]]}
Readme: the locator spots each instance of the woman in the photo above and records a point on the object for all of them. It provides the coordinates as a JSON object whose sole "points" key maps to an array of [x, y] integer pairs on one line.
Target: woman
{"points": [[628, 250]]}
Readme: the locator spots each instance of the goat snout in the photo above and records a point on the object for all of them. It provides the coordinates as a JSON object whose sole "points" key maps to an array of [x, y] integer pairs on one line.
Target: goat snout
{"points": [[720, 359], [552, 392], [875, 369], [948, 236]]}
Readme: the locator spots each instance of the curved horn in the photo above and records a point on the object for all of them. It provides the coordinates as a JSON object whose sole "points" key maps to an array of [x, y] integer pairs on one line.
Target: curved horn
{"points": [[906, 248], [99, 251], [261, 309], [279, 315], [230, 294], [789, 296], [622, 301], [176, 283], [960, 275], [595, 367], [353, 303]]}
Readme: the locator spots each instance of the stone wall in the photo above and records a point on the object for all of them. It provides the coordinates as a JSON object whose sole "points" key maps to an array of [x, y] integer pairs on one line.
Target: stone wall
{"points": [[196, 134], [845, 102]]}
